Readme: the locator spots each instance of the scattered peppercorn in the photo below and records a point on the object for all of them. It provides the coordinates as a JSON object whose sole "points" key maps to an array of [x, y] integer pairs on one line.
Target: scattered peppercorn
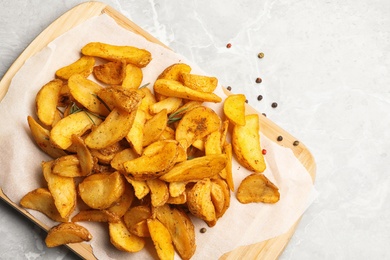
{"points": [[296, 143], [260, 55], [259, 97], [229, 88], [259, 80], [203, 230], [228, 45], [274, 104], [280, 138], [264, 152], [264, 114], [246, 100]]}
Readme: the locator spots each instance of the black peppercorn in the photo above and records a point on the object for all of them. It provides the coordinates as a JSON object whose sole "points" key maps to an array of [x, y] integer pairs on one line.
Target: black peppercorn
{"points": [[280, 138], [258, 80], [274, 104], [229, 88], [296, 143], [203, 230], [259, 97]]}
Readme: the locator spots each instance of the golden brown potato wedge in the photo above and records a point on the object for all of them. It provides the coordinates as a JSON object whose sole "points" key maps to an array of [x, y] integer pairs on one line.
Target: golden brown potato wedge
{"points": [[227, 149], [173, 71], [150, 167], [257, 188], [177, 188], [154, 127], [111, 72], [133, 77], [170, 104], [141, 189], [101, 190], [67, 166], [74, 124], [121, 206], [129, 54], [136, 134], [135, 220], [85, 92], [67, 233], [199, 82], [86, 160], [196, 169], [196, 124], [173, 88], [82, 66], [220, 196], [63, 190], [95, 215], [161, 239], [41, 200], [199, 201], [46, 101], [147, 101], [114, 128], [234, 109], [213, 143], [122, 239], [121, 157], [159, 193], [181, 229], [246, 144], [42, 138], [116, 97]]}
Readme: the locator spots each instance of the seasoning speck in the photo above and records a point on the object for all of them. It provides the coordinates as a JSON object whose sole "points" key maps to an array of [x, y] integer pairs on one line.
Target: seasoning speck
{"points": [[264, 152], [203, 230], [259, 97], [274, 104], [228, 45], [229, 88], [280, 138], [260, 55], [246, 101], [296, 143], [259, 80], [264, 114]]}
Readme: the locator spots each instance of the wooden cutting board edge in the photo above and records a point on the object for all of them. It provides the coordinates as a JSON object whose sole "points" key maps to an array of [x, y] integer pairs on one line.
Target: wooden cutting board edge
{"points": [[269, 249]]}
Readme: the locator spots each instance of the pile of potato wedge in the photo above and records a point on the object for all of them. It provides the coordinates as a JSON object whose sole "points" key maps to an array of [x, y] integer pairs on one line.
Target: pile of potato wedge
{"points": [[141, 159]]}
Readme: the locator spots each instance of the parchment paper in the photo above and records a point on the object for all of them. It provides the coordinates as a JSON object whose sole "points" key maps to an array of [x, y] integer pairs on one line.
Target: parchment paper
{"points": [[20, 158]]}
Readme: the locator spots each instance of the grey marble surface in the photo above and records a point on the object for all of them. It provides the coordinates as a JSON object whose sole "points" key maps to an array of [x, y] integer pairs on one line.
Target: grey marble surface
{"points": [[326, 64]]}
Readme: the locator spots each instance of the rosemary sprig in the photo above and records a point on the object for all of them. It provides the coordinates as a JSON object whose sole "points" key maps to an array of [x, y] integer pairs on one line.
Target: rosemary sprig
{"points": [[102, 101], [144, 85], [176, 116], [75, 109]]}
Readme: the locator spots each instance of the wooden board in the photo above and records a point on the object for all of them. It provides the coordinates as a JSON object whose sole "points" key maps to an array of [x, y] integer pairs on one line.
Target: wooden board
{"points": [[269, 249]]}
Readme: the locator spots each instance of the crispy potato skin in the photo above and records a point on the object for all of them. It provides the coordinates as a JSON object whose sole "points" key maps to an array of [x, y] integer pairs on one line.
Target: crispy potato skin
{"points": [[246, 144], [257, 188]]}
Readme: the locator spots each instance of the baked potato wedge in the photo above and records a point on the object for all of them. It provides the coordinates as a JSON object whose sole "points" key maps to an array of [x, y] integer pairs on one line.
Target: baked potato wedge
{"points": [[180, 227], [161, 239], [246, 144], [83, 66], [41, 200], [257, 188], [122, 239], [173, 88], [67, 233], [129, 54], [234, 109], [101, 190], [63, 190], [46, 101], [196, 124]]}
